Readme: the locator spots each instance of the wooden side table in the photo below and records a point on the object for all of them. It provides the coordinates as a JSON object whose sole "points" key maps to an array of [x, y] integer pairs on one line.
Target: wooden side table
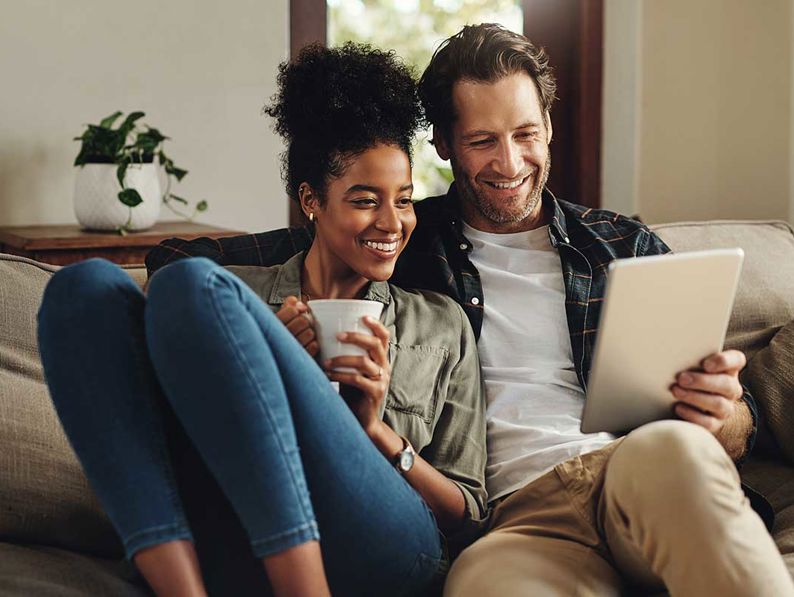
{"points": [[65, 244]]}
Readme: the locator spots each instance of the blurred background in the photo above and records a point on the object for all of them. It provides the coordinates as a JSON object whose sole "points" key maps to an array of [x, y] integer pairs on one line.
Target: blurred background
{"points": [[670, 110]]}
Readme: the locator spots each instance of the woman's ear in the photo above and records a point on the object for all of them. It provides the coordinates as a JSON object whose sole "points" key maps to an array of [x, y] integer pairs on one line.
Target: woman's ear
{"points": [[309, 201]]}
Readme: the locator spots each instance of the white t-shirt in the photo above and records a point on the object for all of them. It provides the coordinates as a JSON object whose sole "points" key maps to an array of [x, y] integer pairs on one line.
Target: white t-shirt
{"points": [[534, 400]]}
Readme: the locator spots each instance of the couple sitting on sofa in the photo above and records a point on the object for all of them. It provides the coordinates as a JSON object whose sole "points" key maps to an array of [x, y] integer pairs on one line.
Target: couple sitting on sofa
{"points": [[328, 490]]}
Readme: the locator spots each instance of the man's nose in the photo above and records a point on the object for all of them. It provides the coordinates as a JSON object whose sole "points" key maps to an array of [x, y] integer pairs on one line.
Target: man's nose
{"points": [[509, 161]]}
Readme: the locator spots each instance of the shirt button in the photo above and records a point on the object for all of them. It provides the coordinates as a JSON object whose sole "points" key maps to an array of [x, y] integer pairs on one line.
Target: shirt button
{"points": [[566, 240], [464, 246], [475, 301]]}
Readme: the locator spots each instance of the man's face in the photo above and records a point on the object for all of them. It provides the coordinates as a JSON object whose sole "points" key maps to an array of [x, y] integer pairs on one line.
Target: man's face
{"points": [[499, 150]]}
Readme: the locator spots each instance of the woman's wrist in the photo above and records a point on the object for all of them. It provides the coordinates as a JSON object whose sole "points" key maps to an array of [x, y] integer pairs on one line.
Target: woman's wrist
{"points": [[384, 438]]}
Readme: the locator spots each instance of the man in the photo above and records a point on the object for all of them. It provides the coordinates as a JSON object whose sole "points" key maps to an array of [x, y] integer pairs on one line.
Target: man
{"points": [[573, 513]]}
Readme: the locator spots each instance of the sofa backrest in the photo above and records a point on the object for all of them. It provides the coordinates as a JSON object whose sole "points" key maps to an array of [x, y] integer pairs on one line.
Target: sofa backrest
{"points": [[44, 496], [765, 298]]}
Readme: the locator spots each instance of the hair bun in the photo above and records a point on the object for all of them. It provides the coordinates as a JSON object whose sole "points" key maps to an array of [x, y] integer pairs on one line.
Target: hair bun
{"points": [[327, 92]]}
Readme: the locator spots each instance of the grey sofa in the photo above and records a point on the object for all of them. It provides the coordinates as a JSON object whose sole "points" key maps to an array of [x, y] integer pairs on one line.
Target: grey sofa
{"points": [[55, 540]]}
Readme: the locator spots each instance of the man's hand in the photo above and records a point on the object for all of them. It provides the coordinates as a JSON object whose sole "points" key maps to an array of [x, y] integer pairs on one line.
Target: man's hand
{"points": [[708, 397], [294, 315]]}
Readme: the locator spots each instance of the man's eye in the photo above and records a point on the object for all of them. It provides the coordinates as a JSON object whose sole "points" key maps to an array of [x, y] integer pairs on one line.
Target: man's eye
{"points": [[480, 142], [405, 201]]}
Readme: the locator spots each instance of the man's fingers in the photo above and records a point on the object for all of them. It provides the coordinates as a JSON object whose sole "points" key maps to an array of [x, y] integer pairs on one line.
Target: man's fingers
{"points": [[725, 361], [693, 415], [711, 404], [724, 384]]}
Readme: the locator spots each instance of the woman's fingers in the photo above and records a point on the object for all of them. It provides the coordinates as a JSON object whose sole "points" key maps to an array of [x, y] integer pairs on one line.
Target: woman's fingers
{"points": [[376, 346], [293, 314], [374, 388], [291, 309], [363, 364]]}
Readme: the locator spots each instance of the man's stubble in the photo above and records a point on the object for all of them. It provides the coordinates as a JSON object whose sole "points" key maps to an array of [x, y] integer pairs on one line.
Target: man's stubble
{"points": [[492, 212]]}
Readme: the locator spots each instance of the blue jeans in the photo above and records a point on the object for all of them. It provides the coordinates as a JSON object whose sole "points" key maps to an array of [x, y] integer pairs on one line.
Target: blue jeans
{"points": [[196, 415]]}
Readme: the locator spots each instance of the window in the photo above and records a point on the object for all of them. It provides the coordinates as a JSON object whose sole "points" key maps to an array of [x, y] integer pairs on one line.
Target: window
{"points": [[414, 28]]}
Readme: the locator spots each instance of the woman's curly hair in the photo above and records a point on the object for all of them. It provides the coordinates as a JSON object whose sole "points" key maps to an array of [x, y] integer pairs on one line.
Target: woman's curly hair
{"points": [[334, 103]]}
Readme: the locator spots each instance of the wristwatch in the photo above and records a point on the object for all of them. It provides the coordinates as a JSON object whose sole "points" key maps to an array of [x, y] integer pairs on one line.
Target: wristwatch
{"points": [[404, 461]]}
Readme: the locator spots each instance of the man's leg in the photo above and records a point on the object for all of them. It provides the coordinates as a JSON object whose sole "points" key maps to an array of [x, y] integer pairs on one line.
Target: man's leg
{"points": [[673, 508], [543, 540], [513, 563]]}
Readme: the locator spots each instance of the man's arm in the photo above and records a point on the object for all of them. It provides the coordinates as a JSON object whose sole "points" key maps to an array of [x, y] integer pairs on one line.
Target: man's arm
{"points": [[263, 248]]}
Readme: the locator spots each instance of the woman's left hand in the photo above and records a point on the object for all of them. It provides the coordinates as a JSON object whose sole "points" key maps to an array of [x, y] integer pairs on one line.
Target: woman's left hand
{"points": [[372, 374]]}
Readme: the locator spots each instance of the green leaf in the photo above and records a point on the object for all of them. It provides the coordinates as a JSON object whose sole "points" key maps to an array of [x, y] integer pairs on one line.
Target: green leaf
{"points": [[180, 199], [178, 173], [120, 172], [129, 123], [155, 134], [202, 205], [130, 197], [108, 122]]}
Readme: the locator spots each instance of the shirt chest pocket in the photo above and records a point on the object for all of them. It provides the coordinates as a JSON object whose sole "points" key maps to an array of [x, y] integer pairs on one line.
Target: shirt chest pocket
{"points": [[416, 377]]}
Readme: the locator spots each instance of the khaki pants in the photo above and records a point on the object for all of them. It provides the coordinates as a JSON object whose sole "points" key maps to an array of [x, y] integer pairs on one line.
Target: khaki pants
{"points": [[661, 508]]}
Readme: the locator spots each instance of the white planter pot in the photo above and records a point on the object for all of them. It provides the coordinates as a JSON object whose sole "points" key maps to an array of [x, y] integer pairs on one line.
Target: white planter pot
{"points": [[96, 202]]}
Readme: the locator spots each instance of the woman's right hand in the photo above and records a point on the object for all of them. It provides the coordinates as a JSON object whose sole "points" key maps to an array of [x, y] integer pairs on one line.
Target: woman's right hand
{"points": [[294, 315]]}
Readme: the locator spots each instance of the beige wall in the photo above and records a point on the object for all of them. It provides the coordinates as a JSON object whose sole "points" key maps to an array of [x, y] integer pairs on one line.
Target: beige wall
{"points": [[713, 129], [201, 70]]}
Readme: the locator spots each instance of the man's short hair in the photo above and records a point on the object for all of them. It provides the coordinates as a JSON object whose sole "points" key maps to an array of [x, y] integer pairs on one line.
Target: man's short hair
{"points": [[486, 53]]}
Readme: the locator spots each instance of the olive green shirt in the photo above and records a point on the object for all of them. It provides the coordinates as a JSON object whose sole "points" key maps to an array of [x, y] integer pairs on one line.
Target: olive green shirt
{"points": [[435, 398]]}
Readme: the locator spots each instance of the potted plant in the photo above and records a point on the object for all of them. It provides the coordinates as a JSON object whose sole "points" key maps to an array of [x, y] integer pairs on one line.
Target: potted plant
{"points": [[118, 186]]}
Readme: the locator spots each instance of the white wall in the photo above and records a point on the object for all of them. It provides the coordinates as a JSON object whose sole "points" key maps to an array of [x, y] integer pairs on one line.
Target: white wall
{"points": [[714, 122], [620, 141], [201, 71]]}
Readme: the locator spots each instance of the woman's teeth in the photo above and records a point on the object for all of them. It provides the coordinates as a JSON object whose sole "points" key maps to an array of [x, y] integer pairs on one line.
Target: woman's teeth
{"points": [[386, 247]]}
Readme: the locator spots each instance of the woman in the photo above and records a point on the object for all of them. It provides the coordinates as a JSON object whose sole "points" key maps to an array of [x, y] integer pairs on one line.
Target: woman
{"points": [[311, 477]]}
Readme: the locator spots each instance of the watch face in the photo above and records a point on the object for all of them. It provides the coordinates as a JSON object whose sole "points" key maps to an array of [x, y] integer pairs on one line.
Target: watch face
{"points": [[406, 461]]}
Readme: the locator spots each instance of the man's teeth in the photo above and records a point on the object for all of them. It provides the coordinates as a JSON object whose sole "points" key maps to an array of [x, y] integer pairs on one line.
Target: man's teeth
{"points": [[508, 185], [381, 246]]}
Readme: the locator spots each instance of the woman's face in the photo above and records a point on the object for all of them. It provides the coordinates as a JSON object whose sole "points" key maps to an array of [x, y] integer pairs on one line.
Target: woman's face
{"points": [[368, 216]]}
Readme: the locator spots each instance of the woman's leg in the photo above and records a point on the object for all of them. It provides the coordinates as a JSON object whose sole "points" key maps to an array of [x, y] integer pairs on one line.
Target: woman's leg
{"points": [[267, 423], [90, 328]]}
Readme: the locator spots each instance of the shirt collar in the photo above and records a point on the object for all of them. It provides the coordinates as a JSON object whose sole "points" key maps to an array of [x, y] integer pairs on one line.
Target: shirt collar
{"points": [[288, 283]]}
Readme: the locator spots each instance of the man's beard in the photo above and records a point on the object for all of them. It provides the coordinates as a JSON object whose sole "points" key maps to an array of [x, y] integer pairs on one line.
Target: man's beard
{"points": [[492, 212]]}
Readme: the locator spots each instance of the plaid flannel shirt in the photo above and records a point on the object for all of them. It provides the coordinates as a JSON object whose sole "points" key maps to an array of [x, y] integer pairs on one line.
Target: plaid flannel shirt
{"points": [[437, 258]]}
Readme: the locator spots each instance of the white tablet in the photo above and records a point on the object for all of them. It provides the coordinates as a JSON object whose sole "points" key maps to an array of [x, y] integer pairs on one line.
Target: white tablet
{"points": [[661, 315]]}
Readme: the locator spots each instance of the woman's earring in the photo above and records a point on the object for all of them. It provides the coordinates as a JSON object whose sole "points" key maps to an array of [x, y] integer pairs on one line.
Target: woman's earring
{"points": [[311, 216]]}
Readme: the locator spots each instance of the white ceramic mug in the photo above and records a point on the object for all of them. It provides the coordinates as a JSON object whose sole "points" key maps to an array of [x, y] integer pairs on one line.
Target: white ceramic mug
{"points": [[332, 316]]}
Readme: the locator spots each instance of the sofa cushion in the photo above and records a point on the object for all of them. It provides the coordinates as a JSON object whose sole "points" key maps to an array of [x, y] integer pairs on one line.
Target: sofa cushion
{"points": [[775, 481], [770, 379], [44, 496], [765, 298], [51, 572]]}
